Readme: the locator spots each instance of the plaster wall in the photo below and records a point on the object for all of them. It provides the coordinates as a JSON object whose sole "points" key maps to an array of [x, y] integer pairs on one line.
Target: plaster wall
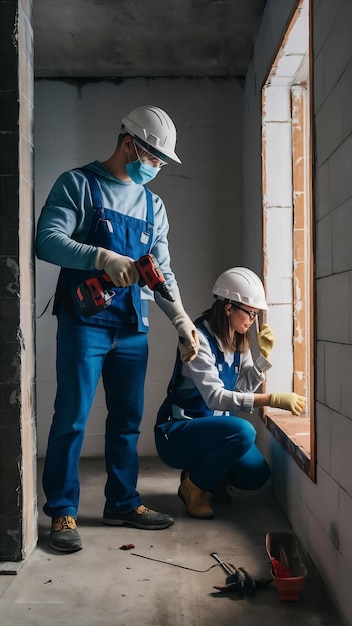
{"points": [[75, 124], [320, 512]]}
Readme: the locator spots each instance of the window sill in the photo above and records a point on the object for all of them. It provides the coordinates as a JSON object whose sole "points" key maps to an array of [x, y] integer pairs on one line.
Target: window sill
{"points": [[293, 433]]}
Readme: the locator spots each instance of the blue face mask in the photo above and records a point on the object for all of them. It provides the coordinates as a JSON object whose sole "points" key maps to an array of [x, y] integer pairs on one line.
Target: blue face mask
{"points": [[141, 173]]}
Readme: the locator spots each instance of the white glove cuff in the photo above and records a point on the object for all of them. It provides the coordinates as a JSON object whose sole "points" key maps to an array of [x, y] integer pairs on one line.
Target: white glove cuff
{"points": [[171, 309], [179, 319], [100, 259], [262, 363]]}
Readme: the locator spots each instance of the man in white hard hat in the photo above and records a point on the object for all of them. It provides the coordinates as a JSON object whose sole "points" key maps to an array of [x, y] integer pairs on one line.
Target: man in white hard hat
{"points": [[98, 220]]}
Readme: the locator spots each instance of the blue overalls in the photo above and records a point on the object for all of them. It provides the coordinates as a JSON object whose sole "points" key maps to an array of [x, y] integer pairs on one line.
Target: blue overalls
{"points": [[113, 344], [215, 448]]}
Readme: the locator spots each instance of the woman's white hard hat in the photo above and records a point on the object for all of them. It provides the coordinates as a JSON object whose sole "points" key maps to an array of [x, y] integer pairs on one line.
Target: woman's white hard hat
{"points": [[240, 284], [155, 129]]}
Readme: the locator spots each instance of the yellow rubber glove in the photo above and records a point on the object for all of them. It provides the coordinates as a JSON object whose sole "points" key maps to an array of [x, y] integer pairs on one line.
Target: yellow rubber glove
{"points": [[288, 401], [120, 268], [266, 340]]}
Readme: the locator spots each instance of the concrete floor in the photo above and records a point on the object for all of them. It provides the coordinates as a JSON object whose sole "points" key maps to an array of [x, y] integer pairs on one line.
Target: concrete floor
{"points": [[103, 585]]}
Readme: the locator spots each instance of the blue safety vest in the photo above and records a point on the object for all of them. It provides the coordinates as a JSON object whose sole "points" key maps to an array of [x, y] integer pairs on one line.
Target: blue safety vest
{"points": [[190, 400], [125, 235]]}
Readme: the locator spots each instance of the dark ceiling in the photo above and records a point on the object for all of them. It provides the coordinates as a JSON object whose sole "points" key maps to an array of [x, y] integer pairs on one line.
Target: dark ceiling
{"points": [[144, 38]]}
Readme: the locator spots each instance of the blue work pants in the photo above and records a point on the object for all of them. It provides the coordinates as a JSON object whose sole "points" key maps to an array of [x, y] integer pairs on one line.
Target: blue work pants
{"points": [[214, 449], [84, 352]]}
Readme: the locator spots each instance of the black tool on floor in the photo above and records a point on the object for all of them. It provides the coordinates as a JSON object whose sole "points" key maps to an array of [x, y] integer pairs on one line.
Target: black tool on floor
{"points": [[235, 579], [238, 579]]}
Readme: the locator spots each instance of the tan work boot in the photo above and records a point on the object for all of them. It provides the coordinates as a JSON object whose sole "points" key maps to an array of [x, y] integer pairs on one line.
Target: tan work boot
{"points": [[195, 499]]}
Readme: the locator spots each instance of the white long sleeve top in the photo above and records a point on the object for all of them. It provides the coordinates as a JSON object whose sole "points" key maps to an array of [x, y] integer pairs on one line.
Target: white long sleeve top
{"points": [[203, 374]]}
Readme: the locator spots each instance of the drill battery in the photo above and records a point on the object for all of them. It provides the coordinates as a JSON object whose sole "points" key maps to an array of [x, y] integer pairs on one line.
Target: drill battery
{"points": [[93, 296]]}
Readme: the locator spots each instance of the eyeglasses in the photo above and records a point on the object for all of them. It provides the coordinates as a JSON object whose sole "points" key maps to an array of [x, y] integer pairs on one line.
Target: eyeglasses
{"points": [[251, 314], [148, 157]]}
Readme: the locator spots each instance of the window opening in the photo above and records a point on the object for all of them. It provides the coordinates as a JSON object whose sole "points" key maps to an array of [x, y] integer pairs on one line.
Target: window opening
{"points": [[287, 232]]}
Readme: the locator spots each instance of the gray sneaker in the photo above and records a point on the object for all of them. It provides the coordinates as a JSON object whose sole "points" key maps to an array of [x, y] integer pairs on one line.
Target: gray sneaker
{"points": [[64, 536], [140, 517]]}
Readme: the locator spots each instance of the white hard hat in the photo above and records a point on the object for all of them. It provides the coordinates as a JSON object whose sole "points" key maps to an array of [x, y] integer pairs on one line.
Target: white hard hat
{"points": [[240, 284], [155, 129]]}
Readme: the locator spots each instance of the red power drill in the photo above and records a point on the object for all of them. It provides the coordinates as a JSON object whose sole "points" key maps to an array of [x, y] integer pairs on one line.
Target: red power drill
{"points": [[94, 294]]}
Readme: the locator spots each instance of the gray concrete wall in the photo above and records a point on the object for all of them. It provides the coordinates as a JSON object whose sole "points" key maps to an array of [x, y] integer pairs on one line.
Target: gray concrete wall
{"points": [[74, 125], [320, 512], [18, 528]]}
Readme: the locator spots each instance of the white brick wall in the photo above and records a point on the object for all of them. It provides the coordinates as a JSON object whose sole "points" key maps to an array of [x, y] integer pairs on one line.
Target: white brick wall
{"points": [[322, 190], [329, 136], [344, 525], [333, 310], [337, 374], [321, 512], [340, 174], [341, 436], [341, 238]]}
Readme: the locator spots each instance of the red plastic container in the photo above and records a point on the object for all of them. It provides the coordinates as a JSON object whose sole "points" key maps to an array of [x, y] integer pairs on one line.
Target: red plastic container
{"points": [[289, 572], [289, 588]]}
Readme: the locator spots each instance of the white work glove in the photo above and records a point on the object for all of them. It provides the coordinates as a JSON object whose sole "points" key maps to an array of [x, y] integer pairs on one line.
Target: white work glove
{"points": [[266, 340], [288, 401], [188, 337], [187, 332], [120, 268]]}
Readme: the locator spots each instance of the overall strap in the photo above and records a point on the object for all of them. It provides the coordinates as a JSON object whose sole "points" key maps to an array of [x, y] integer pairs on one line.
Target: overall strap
{"points": [[237, 359], [97, 198], [175, 373], [212, 341], [94, 187], [214, 346], [150, 212]]}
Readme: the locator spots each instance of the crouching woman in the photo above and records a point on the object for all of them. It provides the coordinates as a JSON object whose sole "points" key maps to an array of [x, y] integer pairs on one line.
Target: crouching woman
{"points": [[197, 427]]}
